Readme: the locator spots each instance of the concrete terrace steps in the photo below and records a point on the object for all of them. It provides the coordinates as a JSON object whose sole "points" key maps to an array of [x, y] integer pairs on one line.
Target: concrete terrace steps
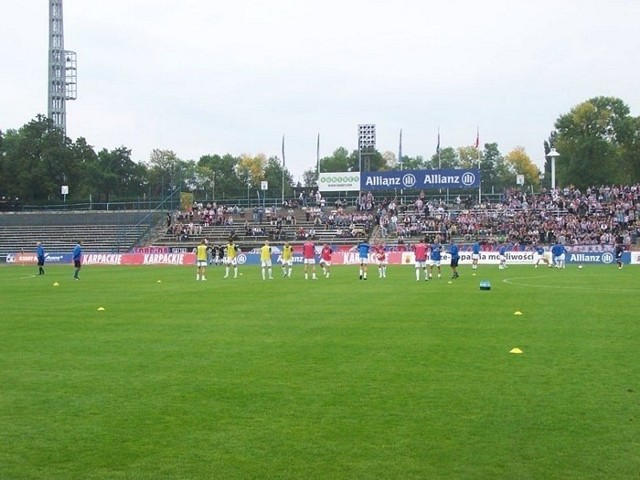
{"points": [[100, 232]]}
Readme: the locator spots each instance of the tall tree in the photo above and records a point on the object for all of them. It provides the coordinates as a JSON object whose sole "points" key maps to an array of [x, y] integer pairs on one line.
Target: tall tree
{"points": [[372, 161], [520, 164], [630, 151], [163, 171], [273, 175], [79, 178], [448, 158], [338, 161], [37, 159], [310, 178], [494, 171], [469, 157], [410, 163], [591, 140], [251, 168], [225, 182]]}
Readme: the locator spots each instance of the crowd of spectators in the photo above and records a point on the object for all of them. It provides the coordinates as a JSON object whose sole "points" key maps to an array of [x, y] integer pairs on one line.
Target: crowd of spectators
{"points": [[596, 216], [601, 215]]}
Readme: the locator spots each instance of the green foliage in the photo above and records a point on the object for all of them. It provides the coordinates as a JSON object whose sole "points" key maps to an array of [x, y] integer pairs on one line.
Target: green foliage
{"points": [[273, 172], [225, 179], [113, 172], [595, 140], [310, 178], [598, 140], [372, 161], [448, 158], [469, 157], [411, 163], [493, 169], [339, 161], [36, 160], [336, 378], [520, 163]]}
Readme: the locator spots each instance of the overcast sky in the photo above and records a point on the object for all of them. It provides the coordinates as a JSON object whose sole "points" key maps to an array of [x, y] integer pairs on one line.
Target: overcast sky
{"points": [[202, 77]]}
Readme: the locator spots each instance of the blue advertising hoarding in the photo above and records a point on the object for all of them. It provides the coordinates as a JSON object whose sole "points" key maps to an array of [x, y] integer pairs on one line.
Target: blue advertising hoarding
{"points": [[421, 179]]}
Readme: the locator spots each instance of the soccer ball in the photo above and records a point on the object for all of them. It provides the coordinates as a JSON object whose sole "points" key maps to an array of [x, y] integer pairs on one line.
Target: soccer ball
{"points": [[579, 266]]}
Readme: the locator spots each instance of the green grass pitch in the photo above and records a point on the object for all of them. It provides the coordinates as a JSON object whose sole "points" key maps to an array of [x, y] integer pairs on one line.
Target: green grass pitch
{"points": [[326, 379]]}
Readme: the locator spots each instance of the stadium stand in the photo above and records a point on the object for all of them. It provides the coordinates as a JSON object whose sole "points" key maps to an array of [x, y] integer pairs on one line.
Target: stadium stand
{"points": [[217, 223], [109, 232], [602, 216]]}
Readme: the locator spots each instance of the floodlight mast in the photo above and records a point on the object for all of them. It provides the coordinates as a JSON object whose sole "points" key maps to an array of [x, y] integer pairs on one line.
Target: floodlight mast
{"points": [[366, 142], [553, 155], [62, 77]]}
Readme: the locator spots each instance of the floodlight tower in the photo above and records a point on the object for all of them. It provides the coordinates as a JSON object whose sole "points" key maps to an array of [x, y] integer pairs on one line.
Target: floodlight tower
{"points": [[366, 142], [62, 76], [553, 154]]}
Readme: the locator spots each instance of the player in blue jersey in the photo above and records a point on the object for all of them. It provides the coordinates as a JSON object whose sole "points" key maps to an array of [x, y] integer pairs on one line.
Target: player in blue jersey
{"points": [[455, 259], [618, 252], [502, 257], [435, 256], [540, 255], [475, 255], [40, 257], [363, 256], [77, 259], [558, 253]]}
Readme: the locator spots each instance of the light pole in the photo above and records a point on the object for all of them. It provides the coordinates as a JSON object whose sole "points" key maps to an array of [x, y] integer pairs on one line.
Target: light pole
{"points": [[553, 154]]}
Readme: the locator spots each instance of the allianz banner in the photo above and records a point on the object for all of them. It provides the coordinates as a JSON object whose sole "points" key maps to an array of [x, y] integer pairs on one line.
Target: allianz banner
{"points": [[421, 179]]}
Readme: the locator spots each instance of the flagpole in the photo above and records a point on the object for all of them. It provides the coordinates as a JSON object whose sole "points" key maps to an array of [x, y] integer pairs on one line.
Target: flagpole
{"points": [[283, 162], [439, 162], [400, 159], [438, 149], [318, 156], [480, 179]]}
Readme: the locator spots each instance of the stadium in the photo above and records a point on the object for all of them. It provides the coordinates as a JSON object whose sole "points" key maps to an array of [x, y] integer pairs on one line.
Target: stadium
{"points": [[210, 319]]}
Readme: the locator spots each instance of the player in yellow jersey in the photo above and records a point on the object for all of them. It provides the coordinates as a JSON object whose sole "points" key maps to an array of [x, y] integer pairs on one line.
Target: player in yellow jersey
{"points": [[265, 260], [287, 259], [232, 258], [201, 260]]}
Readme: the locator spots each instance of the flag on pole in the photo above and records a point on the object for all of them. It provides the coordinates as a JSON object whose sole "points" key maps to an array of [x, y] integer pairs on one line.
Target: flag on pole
{"points": [[283, 151], [318, 154], [477, 138], [438, 144], [400, 150]]}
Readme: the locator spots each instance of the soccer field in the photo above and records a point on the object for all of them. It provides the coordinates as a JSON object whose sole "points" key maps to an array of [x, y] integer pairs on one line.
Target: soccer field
{"points": [[333, 378]]}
